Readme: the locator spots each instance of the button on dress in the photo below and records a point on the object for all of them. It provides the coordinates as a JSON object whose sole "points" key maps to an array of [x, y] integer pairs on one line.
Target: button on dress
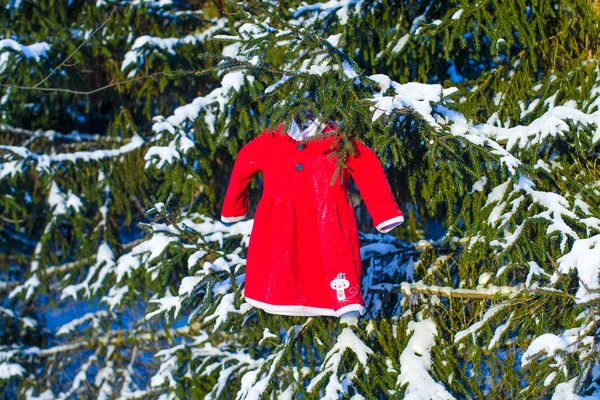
{"points": [[303, 255]]}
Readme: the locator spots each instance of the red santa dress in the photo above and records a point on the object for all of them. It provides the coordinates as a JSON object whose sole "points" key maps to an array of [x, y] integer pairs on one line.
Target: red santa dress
{"points": [[303, 255]]}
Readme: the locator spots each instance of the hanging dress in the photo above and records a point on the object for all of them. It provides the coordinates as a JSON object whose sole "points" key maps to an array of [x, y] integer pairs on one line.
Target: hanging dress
{"points": [[303, 255]]}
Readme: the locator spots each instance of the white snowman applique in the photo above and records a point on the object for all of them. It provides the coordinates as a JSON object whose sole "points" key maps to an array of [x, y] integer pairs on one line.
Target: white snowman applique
{"points": [[339, 284]]}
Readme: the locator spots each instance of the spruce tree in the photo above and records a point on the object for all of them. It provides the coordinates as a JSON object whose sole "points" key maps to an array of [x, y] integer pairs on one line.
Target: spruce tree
{"points": [[120, 124]]}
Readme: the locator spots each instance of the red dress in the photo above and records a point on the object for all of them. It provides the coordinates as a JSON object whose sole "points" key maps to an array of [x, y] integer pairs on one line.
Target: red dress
{"points": [[303, 255]]}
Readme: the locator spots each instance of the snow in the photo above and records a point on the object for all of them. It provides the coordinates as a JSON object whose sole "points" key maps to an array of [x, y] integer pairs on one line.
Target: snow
{"points": [[168, 364], [347, 339], [225, 306], [147, 250], [321, 11], [31, 284], [479, 185], [174, 138], [317, 65], [34, 51], [418, 96], [190, 112], [534, 269], [104, 265], [499, 331], [56, 200], [471, 330], [549, 344], [195, 257], [46, 395], [266, 335], [9, 370], [115, 296], [567, 391], [484, 278], [509, 237], [10, 168], [415, 362], [161, 155], [188, 284], [377, 248], [281, 81], [71, 326], [165, 304], [52, 135], [530, 108], [160, 207], [552, 123], [556, 207], [348, 70], [334, 39], [44, 161], [146, 44], [73, 202], [401, 43], [584, 256], [457, 14]]}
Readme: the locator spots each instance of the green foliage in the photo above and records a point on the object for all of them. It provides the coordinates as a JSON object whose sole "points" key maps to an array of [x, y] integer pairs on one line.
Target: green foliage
{"points": [[119, 126]]}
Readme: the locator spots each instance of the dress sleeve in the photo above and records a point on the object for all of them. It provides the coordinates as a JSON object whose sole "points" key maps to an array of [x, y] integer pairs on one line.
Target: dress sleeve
{"points": [[369, 176], [247, 163]]}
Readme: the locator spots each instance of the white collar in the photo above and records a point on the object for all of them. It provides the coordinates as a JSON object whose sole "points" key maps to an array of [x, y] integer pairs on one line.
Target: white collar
{"points": [[296, 133]]}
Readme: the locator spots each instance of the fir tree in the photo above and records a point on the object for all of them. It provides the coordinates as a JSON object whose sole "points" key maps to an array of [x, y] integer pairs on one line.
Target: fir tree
{"points": [[120, 124]]}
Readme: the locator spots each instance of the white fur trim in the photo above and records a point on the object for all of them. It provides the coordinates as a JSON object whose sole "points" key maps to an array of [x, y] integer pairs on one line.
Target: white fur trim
{"points": [[390, 224], [305, 311], [233, 219]]}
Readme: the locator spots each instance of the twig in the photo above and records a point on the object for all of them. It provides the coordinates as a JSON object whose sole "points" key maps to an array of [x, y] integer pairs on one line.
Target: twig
{"points": [[76, 50], [100, 88]]}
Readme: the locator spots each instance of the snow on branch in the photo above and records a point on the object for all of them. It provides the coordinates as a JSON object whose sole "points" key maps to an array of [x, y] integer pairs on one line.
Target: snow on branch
{"points": [[415, 362], [44, 161], [323, 11], [418, 96], [347, 340], [484, 293], [53, 135], [34, 51], [146, 44], [552, 123], [584, 256]]}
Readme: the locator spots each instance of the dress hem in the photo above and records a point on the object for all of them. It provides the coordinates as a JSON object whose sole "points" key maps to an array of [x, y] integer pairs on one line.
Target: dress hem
{"points": [[305, 311]]}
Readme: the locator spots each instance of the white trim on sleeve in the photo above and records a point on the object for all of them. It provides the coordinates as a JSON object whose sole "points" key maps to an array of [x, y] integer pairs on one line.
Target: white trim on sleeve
{"points": [[233, 219], [390, 224], [305, 311]]}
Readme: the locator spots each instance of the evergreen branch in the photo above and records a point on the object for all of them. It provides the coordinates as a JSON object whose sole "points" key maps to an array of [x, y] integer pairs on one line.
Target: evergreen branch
{"points": [[113, 337], [59, 269], [488, 293], [52, 134], [185, 234], [237, 63], [313, 37], [135, 143]]}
